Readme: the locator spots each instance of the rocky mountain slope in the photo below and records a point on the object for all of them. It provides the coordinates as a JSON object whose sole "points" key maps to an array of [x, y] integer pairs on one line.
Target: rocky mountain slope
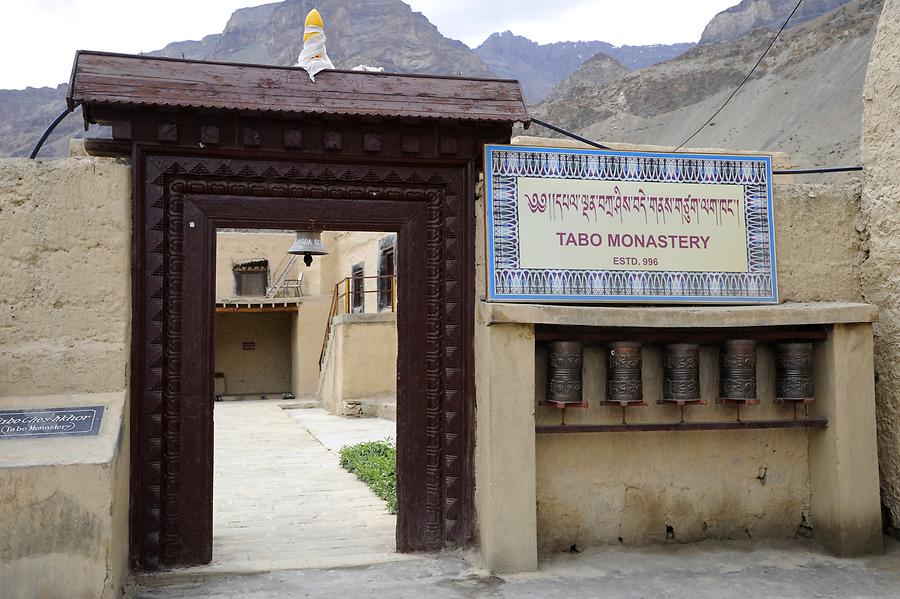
{"points": [[539, 67], [385, 33], [25, 114], [805, 99], [595, 72], [734, 22]]}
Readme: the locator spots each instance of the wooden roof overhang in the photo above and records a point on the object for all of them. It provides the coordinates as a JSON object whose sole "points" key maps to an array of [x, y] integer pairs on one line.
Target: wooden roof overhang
{"points": [[257, 305], [195, 103]]}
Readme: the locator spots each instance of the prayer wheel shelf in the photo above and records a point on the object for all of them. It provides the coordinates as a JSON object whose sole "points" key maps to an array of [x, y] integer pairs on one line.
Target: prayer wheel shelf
{"points": [[680, 367]]}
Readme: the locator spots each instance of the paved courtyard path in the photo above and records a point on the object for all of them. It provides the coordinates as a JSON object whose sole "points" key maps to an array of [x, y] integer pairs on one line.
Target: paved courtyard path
{"points": [[334, 432], [282, 501]]}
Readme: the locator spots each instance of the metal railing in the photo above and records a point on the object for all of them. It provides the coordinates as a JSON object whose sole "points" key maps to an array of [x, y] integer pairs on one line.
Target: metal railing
{"points": [[282, 283], [345, 299]]}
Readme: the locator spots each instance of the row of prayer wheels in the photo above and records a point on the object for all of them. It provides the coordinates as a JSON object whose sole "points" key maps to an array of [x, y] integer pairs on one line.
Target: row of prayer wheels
{"points": [[681, 372]]}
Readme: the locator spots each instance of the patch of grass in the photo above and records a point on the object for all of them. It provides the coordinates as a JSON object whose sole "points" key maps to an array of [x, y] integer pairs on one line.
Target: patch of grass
{"points": [[374, 463]]}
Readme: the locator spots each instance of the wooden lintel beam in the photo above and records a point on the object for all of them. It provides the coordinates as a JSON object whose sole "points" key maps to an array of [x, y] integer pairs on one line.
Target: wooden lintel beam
{"points": [[224, 310]]}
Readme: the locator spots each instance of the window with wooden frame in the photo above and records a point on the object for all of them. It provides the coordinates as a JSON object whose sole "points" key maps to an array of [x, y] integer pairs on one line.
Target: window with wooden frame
{"points": [[357, 289], [387, 268], [251, 278]]}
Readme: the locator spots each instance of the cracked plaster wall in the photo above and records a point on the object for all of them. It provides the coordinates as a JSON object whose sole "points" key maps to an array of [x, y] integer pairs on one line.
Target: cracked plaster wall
{"points": [[65, 315], [880, 271], [65, 306]]}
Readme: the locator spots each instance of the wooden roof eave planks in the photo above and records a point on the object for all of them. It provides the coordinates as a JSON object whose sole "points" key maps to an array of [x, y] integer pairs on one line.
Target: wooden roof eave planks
{"points": [[151, 81]]}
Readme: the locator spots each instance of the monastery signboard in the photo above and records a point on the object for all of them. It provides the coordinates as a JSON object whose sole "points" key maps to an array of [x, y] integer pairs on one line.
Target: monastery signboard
{"points": [[583, 226], [51, 422]]}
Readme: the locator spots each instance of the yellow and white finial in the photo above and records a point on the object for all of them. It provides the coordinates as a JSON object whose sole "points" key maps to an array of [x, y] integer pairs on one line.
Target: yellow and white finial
{"points": [[313, 57], [313, 19]]}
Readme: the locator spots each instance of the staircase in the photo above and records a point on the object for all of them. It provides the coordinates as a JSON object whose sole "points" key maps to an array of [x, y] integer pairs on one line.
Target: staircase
{"points": [[281, 284]]}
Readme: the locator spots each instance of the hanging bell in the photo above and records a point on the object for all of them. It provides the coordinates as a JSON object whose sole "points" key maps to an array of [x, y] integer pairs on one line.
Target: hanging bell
{"points": [[308, 244]]}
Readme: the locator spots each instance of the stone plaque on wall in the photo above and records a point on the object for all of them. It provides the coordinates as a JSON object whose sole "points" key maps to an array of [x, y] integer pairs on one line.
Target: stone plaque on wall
{"points": [[50, 422], [583, 226]]}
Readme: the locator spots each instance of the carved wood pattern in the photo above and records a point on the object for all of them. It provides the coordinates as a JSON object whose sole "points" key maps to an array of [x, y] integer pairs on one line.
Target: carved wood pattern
{"points": [[448, 475], [454, 385]]}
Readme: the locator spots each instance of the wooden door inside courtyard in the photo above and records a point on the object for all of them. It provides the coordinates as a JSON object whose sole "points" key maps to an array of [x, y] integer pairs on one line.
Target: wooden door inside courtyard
{"points": [[217, 145]]}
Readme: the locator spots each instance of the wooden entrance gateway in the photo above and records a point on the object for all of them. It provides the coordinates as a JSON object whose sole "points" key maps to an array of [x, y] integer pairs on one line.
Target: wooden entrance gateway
{"points": [[226, 145]]}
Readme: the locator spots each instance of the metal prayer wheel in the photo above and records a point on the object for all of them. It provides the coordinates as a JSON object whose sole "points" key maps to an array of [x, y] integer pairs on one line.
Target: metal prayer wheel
{"points": [[681, 373], [737, 371], [794, 372], [624, 373], [564, 385]]}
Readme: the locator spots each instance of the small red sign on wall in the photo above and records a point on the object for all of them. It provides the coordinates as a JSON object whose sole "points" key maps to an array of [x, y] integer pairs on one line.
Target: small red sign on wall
{"points": [[248, 345]]}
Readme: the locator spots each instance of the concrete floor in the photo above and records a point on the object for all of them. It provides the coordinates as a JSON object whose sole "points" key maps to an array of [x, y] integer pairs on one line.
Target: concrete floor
{"points": [[282, 501], [710, 570]]}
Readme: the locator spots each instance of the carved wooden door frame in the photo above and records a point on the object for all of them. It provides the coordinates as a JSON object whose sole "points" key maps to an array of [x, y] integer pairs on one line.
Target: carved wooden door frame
{"points": [[180, 198]]}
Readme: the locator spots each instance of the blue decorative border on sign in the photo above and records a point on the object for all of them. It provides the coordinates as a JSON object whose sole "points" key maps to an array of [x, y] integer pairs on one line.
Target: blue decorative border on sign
{"points": [[508, 282]]}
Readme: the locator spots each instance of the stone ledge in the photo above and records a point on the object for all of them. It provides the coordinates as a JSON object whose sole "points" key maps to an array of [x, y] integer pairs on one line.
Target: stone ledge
{"points": [[65, 451], [365, 318], [65, 505], [788, 314]]}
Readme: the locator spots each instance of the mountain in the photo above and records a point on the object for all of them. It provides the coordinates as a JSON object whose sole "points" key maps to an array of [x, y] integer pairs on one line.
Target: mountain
{"points": [[734, 22], [385, 33], [237, 43], [25, 114], [539, 67], [595, 72], [804, 99]]}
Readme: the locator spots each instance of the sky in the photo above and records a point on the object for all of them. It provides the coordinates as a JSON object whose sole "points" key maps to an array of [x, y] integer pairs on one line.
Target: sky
{"points": [[40, 37]]}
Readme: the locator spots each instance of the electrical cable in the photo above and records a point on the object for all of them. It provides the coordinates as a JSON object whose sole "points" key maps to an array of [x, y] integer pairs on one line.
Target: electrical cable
{"points": [[56, 121], [570, 134], [817, 171], [799, 171], [746, 79], [560, 130]]}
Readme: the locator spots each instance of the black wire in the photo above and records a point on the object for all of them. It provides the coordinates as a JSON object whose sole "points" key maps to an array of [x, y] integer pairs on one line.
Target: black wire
{"points": [[800, 171], [746, 79], [817, 171], [570, 134], [56, 121]]}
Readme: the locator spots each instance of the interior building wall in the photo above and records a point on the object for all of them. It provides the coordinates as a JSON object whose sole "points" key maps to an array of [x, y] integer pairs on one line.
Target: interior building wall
{"points": [[346, 249], [266, 368], [307, 337], [234, 246], [361, 361]]}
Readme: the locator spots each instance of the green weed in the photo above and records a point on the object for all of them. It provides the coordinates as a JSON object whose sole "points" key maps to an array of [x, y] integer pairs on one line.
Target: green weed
{"points": [[374, 463]]}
